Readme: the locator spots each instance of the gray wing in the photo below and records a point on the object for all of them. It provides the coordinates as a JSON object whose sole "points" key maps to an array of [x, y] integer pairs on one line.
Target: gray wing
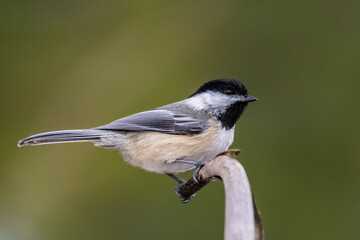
{"points": [[158, 121]]}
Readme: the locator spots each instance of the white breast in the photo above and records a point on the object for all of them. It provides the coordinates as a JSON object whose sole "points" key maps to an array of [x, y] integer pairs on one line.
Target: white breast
{"points": [[225, 139]]}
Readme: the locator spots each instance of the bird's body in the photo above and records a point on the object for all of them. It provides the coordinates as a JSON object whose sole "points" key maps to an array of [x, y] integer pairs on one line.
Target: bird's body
{"points": [[196, 129], [146, 150]]}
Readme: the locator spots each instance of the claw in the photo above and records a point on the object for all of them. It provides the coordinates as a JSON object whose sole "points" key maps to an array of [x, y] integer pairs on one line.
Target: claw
{"points": [[196, 172], [198, 165], [182, 198]]}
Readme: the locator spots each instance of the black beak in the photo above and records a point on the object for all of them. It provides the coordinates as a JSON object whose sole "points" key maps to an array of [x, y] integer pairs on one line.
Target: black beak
{"points": [[249, 99]]}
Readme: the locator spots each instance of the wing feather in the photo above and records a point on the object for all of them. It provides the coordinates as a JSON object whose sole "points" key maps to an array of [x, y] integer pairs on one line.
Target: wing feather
{"points": [[159, 121]]}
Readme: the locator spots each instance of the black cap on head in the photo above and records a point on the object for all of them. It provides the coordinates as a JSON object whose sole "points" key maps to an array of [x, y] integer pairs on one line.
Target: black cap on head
{"points": [[225, 86]]}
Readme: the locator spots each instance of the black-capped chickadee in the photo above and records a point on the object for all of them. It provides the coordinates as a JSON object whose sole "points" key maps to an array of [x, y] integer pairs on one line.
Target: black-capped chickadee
{"points": [[169, 139]]}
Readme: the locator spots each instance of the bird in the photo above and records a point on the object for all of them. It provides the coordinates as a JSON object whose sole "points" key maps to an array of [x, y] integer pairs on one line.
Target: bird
{"points": [[170, 139]]}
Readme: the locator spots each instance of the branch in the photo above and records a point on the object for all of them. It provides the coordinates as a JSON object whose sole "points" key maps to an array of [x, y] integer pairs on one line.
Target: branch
{"points": [[242, 219]]}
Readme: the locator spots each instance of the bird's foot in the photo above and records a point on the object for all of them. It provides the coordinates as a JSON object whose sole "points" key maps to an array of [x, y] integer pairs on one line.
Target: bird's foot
{"points": [[183, 199], [198, 165]]}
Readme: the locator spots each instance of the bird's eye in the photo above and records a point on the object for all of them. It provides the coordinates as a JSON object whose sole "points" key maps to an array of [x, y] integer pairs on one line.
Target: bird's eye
{"points": [[228, 92]]}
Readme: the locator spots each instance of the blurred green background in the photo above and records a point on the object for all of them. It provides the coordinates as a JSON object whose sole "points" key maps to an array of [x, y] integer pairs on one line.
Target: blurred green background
{"points": [[81, 64]]}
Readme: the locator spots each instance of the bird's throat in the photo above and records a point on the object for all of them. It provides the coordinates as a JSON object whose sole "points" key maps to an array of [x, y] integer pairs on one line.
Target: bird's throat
{"points": [[232, 114]]}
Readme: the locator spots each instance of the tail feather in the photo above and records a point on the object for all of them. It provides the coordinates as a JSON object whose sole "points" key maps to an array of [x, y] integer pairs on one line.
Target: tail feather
{"points": [[86, 135]]}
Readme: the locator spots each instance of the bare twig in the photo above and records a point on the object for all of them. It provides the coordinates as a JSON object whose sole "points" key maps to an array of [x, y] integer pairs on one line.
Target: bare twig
{"points": [[242, 219]]}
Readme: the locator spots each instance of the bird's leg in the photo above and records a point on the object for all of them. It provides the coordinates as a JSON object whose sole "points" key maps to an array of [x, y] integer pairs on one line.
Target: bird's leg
{"points": [[198, 165], [176, 178]]}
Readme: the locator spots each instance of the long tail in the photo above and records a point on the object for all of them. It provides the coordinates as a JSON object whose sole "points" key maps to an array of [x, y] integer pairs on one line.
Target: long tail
{"points": [[85, 135]]}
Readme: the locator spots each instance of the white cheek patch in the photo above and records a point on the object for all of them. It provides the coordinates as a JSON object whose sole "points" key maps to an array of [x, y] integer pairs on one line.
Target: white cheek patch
{"points": [[213, 101], [199, 102]]}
